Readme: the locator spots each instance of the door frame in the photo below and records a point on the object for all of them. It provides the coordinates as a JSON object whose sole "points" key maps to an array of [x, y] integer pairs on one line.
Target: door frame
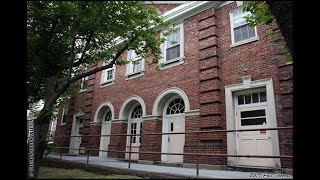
{"points": [[73, 132], [247, 84], [135, 120], [102, 139], [164, 139]]}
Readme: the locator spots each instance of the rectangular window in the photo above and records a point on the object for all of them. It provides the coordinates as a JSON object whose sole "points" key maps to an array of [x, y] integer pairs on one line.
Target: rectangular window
{"points": [[256, 117], [108, 75], [64, 115], [240, 29], [173, 45], [258, 97], [140, 132], [136, 64], [84, 83]]}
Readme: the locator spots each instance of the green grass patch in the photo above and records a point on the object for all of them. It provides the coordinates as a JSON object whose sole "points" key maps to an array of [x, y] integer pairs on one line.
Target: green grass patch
{"points": [[58, 173]]}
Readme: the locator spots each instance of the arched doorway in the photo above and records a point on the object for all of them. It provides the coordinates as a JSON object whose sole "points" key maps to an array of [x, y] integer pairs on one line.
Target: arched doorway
{"points": [[134, 127], [104, 115], [173, 121]]}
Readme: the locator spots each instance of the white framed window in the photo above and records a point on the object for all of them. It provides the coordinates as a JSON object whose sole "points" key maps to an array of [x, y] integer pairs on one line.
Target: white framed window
{"points": [[241, 32], [136, 67], [64, 115], [173, 47], [108, 75], [84, 84]]}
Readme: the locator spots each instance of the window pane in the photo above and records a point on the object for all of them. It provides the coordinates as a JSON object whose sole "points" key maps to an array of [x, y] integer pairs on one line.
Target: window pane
{"points": [[240, 99], [255, 97], [246, 114], [256, 121], [252, 32], [237, 34], [247, 98], [263, 97], [244, 32]]}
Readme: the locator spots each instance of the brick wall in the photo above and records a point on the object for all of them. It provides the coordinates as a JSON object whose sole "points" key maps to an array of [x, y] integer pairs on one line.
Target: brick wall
{"points": [[210, 65]]}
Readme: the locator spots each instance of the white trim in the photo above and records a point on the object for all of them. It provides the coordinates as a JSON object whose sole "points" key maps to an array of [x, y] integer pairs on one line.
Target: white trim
{"points": [[166, 2], [187, 10], [232, 146], [173, 90], [239, 3], [195, 112], [224, 3], [233, 44], [127, 101], [106, 103], [151, 117]]}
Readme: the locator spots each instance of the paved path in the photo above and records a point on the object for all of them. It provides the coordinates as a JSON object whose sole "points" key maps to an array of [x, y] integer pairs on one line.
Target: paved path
{"points": [[191, 172]]}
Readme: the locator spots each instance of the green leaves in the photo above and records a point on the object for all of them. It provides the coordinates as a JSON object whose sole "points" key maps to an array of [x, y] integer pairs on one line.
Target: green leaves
{"points": [[64, 35]]}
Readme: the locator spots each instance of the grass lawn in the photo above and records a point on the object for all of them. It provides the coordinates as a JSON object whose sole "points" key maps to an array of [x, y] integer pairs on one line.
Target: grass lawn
{"points": [[58, 173]]}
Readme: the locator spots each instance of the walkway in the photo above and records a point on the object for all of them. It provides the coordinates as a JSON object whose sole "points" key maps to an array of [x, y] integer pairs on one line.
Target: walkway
{"points": [[187, 172]]}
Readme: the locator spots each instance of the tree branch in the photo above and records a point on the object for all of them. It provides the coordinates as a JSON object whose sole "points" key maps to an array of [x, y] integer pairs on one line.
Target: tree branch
{"points": [[79, 76]]}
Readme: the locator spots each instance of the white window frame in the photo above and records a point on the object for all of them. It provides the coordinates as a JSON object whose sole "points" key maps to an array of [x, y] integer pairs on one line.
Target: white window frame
{"points": [[163, 46], [81, 85], [129, 66], [63, 111], [233, 44], [104, 82]]}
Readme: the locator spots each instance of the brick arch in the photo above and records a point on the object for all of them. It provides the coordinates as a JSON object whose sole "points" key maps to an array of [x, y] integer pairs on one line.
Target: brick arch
{"points": [[127, 106], [164, 96]]}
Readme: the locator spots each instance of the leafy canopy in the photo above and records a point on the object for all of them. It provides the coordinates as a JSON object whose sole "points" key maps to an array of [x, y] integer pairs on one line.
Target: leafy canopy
{"points": [[65, 36]]}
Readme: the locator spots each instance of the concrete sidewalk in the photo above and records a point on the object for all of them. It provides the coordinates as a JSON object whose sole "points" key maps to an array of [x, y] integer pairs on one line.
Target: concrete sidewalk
{"points": [[174, 171]]}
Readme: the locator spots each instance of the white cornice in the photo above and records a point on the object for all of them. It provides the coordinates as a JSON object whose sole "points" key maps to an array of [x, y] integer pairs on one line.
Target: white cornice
{"points": [[189, 9], [166, 2]]}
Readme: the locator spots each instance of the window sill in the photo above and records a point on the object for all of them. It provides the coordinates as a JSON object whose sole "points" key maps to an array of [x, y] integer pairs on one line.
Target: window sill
{"points": [[81, 91], [244, 42], [63, 124], [135, 74], [173, 62], [107, 83]]}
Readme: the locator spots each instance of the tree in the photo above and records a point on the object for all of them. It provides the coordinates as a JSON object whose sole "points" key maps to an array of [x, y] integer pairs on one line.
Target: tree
{"points": [[269, 11], [64, 37]]}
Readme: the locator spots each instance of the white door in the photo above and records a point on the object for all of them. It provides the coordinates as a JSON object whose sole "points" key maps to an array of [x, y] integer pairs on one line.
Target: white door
{"points": [[176, 141], [173, 121], [105, 130], [134, 127], [79, 129], [254, 115]]}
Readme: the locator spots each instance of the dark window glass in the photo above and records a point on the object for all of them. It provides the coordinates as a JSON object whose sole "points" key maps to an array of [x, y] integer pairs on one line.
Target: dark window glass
{"points": [[255, 121], [246, 114], [240, 99], [263, 97], [255, 98], [171, 126], [247, 98]]}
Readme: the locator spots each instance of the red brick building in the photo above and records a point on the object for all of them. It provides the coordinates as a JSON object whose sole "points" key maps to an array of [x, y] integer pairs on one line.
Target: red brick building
{"points": [[221, 74]]}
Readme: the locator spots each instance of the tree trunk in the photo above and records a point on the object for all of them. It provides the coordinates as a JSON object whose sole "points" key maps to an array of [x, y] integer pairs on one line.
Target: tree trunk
{"points": [[41, 124], [283, 12]]}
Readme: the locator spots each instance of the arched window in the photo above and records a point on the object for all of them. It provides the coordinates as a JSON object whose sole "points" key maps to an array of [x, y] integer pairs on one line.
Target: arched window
{"points": [[137, 112], [108, 116], [176, 107]]}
